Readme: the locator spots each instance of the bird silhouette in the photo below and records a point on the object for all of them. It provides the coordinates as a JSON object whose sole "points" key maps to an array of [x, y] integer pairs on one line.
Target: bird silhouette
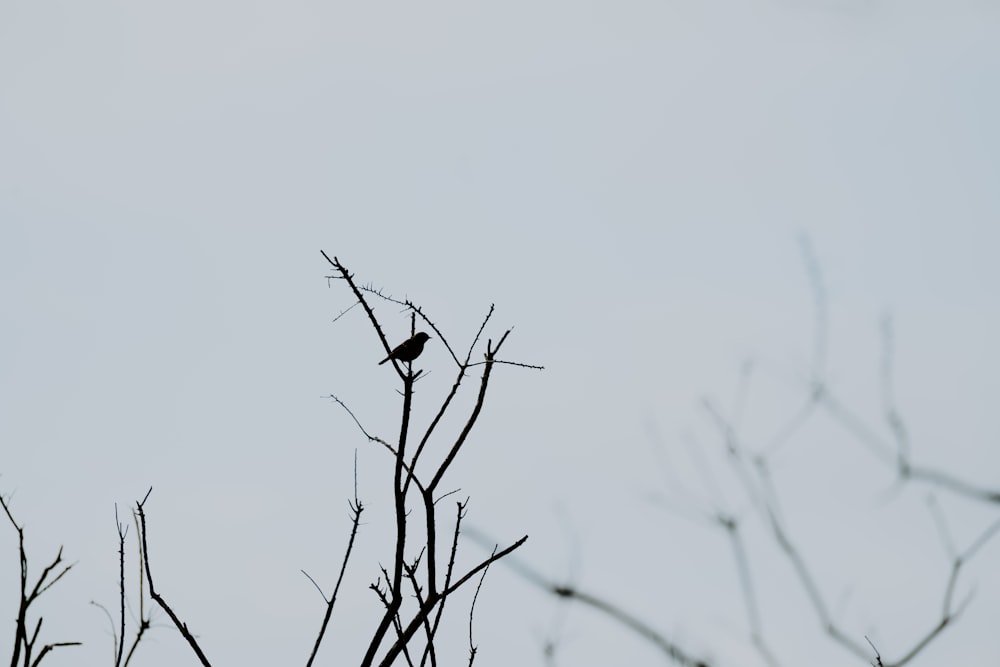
{"points": [[409, 349]]}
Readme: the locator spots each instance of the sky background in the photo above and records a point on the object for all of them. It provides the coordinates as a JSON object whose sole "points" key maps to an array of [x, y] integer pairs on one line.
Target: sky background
{"points": [[628, 182]]}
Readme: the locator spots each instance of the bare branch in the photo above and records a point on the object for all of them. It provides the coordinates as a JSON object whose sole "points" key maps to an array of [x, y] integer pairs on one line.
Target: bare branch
{"points": [[181, 627], [490, 353], [878, 657], [433, 599], [368, 435], [473, 649], [45, 581], [449, 571], [143, 621], [348, 278], [356, 509]]}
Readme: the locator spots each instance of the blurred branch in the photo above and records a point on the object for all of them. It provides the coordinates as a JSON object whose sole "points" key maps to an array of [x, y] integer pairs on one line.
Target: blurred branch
{"points": [[751, 468], [905, 469], [821, 327], [758, 486], [609, 610]]}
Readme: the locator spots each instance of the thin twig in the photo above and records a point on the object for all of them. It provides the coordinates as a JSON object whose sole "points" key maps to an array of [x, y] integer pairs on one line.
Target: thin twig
{"points": [[368, 435]]}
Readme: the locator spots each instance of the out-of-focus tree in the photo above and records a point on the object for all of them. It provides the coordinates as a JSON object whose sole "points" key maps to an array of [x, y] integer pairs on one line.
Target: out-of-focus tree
{"points": [[736, 491]]}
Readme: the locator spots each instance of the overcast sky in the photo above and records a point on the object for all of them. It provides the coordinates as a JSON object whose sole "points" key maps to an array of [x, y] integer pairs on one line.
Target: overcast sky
{"points": [[628, 182]]}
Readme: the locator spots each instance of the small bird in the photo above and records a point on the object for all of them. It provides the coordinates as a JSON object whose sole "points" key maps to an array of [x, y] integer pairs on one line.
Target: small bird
{"points": [[409, 349]]}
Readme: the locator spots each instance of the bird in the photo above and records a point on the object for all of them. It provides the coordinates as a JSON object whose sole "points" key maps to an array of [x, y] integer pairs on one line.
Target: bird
{"points": [[409, 349]]}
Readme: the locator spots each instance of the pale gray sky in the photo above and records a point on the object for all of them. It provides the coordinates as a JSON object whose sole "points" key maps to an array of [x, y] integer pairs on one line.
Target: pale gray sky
{"points": [[626, 181]]}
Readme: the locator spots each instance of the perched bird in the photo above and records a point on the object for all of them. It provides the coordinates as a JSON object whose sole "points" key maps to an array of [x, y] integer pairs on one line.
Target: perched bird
{"points": [[409, 349]]}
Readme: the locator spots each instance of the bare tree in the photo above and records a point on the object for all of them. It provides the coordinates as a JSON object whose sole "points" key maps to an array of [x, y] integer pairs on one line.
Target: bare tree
{"points": [[422, 573]]}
